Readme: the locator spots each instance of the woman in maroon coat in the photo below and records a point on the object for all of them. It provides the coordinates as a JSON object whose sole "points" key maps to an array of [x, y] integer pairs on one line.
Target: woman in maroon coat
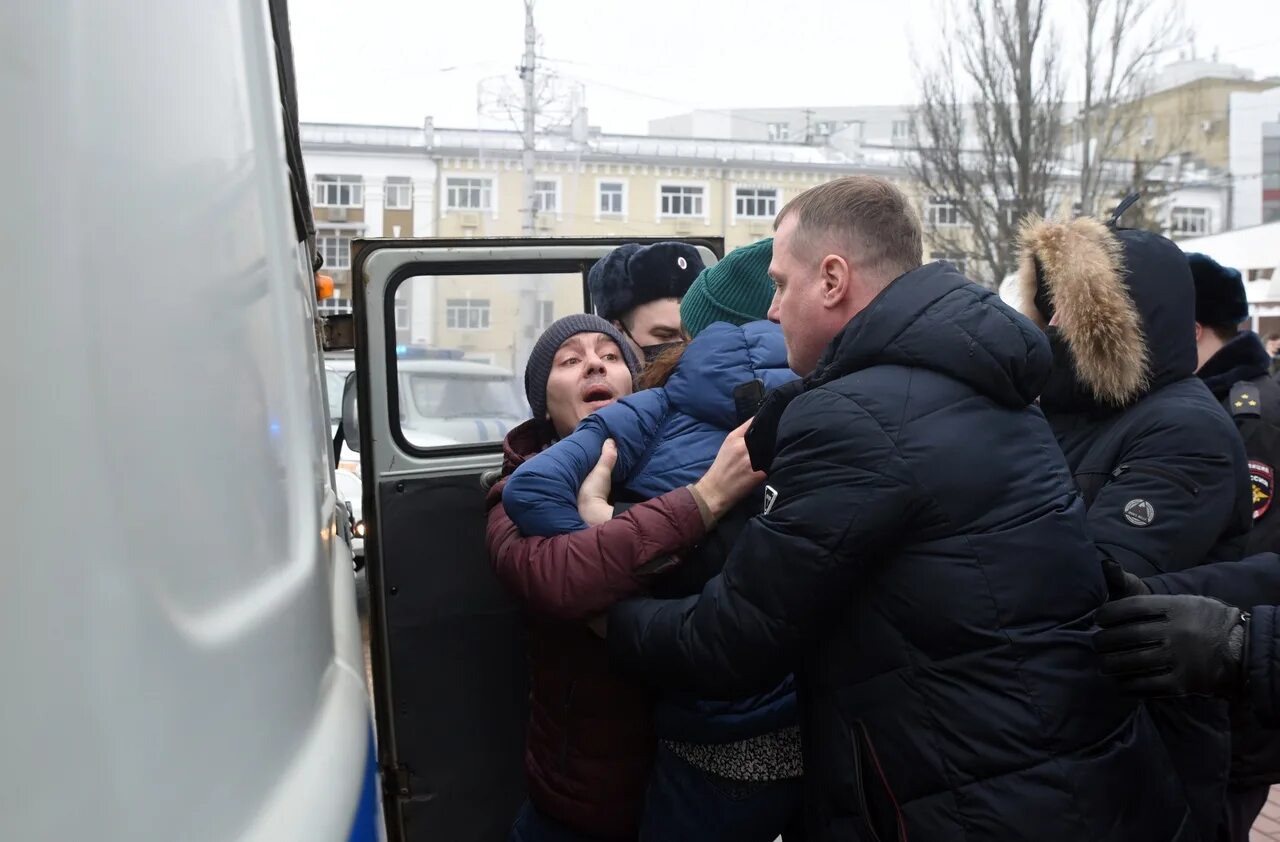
{"points": [[590, 738]]}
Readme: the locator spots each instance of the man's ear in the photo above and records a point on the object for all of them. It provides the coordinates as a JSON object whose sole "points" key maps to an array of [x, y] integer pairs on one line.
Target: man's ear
{"points": [[1199, 331], [836, 278]]}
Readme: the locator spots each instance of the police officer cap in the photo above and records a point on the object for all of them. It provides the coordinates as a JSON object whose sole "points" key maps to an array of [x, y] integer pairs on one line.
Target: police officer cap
{"points": [[1220, 298]]}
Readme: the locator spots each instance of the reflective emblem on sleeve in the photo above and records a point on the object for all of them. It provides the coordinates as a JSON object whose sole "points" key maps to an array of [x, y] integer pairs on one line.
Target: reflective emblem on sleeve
{"points": [[1262, 482]]}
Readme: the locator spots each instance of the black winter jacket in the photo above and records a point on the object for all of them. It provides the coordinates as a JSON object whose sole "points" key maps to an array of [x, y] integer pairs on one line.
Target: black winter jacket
{"points": [[1240, 378], [1160, 464], [922, 564]]}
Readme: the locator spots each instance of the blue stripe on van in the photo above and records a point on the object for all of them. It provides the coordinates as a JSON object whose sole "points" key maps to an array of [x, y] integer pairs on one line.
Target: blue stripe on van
{"points": [[364, 827]]}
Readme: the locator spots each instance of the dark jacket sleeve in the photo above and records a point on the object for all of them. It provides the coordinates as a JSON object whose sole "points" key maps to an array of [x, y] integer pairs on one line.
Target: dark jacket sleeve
{"points": [[1189, 475], [579, 574], [842, 494], [1263, 664], [1251, 580]]}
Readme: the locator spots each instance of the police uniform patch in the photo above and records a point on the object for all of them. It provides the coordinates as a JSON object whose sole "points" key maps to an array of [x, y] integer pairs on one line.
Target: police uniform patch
{"points": [[1262, 480], [1139, 512]]}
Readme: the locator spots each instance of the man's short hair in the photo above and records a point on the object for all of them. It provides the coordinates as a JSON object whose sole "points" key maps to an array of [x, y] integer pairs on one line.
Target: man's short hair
{"points": [[1224, 332], [868, 217], [1272, 337]]}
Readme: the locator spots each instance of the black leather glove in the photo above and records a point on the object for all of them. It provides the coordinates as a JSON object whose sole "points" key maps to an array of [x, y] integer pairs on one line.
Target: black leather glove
{"points": [[1121, 583], [1172, 645]]}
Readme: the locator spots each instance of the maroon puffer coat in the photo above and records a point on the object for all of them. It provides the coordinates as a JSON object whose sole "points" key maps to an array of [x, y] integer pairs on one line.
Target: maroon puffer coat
{"points": [[590, 741]]}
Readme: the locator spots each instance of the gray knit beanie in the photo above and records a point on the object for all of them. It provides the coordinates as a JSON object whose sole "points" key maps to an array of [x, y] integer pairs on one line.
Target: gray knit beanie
{"points": [[544, 352]]}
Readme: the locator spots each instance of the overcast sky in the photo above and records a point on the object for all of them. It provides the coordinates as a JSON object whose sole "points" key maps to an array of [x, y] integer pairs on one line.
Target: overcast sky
{"points": [[397, 61]]}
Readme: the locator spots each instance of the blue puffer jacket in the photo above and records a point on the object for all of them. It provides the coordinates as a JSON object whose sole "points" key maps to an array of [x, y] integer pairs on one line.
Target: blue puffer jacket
{"points": [[667, 438]]}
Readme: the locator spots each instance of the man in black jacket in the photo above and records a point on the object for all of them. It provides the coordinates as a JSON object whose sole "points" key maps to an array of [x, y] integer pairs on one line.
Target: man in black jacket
{"points": [[1160, 464], [1237, 369], [921, 561]]}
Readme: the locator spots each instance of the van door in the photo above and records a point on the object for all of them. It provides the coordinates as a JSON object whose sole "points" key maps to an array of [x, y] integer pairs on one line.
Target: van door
{"points": [[443, 328]]}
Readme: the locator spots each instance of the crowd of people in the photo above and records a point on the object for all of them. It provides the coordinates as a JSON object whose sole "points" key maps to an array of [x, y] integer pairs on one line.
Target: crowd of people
{"points": [[822, 543]]}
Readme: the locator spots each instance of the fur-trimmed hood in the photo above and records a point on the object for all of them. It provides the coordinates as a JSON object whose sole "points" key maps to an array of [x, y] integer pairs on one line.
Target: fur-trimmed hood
{"points": [[1122, 301]]}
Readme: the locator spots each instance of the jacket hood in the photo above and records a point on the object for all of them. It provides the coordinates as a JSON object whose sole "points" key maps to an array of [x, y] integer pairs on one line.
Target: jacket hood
{"points": [[1124, 303], [1243, 358], [523, 443], [933, 318], [719, 360]]}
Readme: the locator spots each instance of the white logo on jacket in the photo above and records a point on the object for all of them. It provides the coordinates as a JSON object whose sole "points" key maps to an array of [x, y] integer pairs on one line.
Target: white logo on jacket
{"points": [[770, 497]]}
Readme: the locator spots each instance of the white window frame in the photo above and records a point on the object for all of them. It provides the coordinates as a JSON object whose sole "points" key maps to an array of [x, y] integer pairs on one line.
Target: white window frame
{"points": [[333, 306], [460, 309], [626, 198], [557, 193], [1190, 220], [936, 206], [404, 318], [900, 135], [400, 189], [703, 186], [324, 233], [487, 180], [323, 184], [780, 132], [545, 315], [755, 190]]}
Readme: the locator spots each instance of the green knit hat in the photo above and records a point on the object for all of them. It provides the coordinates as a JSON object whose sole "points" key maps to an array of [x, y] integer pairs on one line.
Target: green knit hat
{"points": [[735, 290]]}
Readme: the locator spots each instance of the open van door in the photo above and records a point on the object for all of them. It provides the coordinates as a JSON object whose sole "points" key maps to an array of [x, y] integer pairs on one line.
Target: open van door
{"points": [[447, 647]]}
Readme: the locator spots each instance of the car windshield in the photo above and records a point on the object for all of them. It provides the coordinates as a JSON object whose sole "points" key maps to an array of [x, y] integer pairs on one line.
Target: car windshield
{"points": [[438, 395], [335, 383]]}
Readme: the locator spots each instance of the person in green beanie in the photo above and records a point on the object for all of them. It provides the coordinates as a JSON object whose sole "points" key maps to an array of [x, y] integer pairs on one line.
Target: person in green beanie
{"points": [[723, 769], [736, 290]]}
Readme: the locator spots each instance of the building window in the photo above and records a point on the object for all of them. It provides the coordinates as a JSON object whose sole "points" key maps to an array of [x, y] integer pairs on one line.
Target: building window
{"points": [[338, 191], [1008, 208], [682, 200], [1190, 221], [825, 128], [779, 131], [941, 213], [612, 198], [901, 129], [399, 194], [469, 194], [402, 316], [546, 315], [954, 258], [333, 306], [545, 196], [334, 246], [467, 313], [756, 203], [1261, 274]]}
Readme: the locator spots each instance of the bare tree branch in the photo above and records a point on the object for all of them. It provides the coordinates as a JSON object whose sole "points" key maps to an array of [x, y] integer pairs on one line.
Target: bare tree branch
{"points": [[987, 134], [1119, 151]]}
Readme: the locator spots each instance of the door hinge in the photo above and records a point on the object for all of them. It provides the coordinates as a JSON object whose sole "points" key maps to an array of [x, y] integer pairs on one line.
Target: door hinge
{"points": [[395, 781]]}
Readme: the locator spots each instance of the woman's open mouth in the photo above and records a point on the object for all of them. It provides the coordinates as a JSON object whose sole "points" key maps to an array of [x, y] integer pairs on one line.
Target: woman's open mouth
{"points": [[597, 395]]}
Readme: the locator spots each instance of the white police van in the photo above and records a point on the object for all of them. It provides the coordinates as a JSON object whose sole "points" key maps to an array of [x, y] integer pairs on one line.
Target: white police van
{"points": [[183, 656], [179, 620]]}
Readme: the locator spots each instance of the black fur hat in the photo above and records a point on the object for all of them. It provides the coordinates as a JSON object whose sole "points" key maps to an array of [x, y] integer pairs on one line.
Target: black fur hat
{"points": [[1220, 297], [633, 274]]}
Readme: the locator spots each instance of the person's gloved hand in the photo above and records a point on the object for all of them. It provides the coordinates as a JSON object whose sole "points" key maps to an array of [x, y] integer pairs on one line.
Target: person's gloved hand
{"points": [[1172, 645], [1120, 582]]}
